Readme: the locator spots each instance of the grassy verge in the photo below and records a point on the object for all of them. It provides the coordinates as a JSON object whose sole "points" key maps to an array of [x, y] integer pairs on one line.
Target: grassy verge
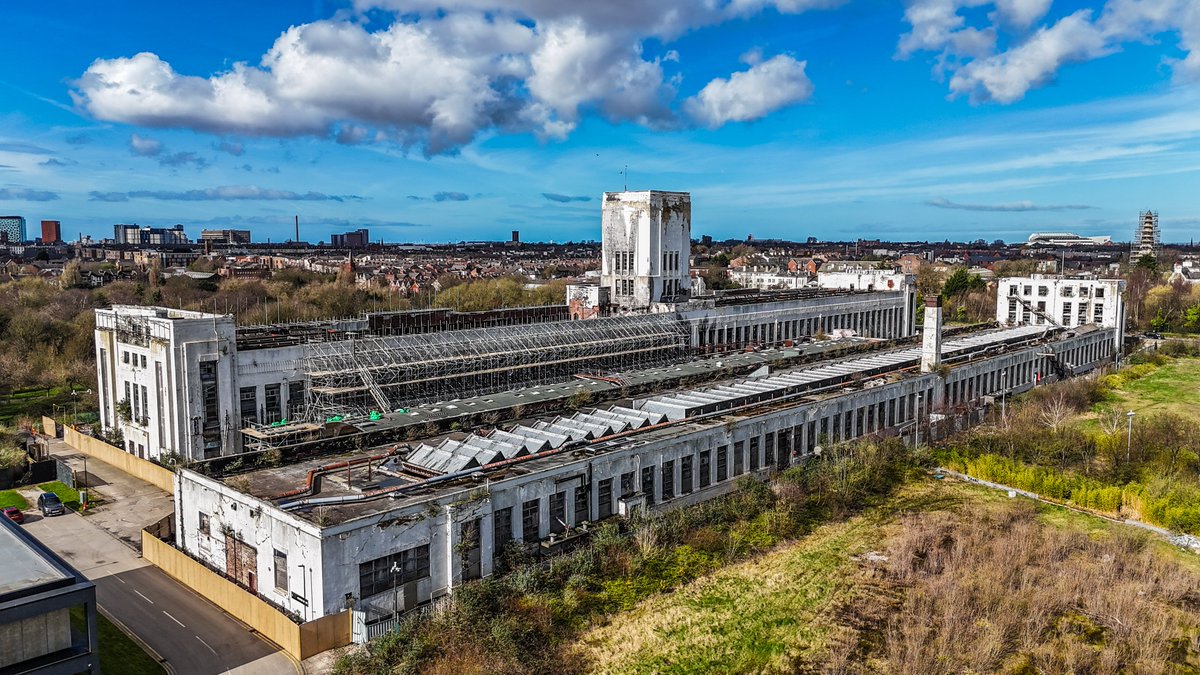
{"points": [[68, 495], [118, 652], [12, 498], [1173, 387], [768, 614], [890, 590]]}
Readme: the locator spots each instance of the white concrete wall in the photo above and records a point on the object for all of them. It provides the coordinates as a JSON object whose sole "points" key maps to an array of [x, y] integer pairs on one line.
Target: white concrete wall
{"points": [[261, 525], [650, 224], [1056, 294], [174, 417]]}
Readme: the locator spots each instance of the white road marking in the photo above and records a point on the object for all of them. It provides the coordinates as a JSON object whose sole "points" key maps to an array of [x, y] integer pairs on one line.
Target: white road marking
{"points": [[174, 619], [120, 579], [144, 597], [206, 644]]}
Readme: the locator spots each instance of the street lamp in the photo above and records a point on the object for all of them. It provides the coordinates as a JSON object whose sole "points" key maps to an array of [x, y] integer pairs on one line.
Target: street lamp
{"points": [[917, 424], [1004, 396], [1129, 435]]}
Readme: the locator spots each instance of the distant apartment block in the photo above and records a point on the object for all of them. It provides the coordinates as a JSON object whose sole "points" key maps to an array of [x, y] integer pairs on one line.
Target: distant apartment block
{"points": [[225, 236], [359, 238], [1052, 300], [12, 229], [136, 235], [1146, 238], [767, 277], [51, 232]]}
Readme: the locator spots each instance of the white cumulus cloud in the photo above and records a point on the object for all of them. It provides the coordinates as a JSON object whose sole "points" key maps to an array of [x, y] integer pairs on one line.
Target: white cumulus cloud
{"points": [[442, 72], [751, 94], [1034, 54]]}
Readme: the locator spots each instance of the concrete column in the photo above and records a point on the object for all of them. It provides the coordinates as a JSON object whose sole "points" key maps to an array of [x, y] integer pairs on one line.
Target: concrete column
{"points": [[931, 344]]}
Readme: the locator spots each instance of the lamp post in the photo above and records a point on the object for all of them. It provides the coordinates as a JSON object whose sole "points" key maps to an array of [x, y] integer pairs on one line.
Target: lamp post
{"points": [[917, 424], [1129, 435], [1004, 397]]}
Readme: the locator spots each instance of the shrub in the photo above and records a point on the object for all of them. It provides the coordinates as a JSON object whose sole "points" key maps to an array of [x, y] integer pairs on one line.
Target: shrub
{"points": [[11, 458]]}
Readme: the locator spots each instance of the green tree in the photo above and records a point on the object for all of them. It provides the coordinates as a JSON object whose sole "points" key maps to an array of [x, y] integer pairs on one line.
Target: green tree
{"points": [[960, 282], [1147, 262], [1191, 318], [1159, 322]]}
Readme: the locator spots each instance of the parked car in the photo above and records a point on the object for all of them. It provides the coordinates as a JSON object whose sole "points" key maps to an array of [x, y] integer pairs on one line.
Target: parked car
{"points": [[14, 514], [50, 504], [1154, 336]]}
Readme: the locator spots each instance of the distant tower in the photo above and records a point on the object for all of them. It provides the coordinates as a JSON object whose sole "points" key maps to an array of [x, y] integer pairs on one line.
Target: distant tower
{"points": [[51, 232], [1146, 237], [647, 238], [12, 229]]}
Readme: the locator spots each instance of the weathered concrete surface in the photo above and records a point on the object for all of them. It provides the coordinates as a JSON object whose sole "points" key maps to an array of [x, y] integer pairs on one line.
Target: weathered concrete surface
{"points": [[128, 505]]}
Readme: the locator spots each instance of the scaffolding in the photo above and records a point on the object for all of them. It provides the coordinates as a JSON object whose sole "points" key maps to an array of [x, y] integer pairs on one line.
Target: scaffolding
{"points": [[350, 378]]}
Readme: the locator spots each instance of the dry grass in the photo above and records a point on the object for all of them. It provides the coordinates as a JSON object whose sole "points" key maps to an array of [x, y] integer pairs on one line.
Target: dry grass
{"points": [[769, 614], [1001, 590], [968, 582]]}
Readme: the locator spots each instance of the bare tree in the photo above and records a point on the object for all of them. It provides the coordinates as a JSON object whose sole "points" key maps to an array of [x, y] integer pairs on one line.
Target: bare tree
{"points": [[1055, 411]]}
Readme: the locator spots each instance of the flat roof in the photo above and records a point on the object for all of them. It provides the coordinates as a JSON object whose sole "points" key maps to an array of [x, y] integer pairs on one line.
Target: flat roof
{"points": [[26, 567]]}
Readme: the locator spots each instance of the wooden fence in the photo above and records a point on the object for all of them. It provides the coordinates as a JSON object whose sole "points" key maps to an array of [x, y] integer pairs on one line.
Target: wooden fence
{"points": [[299, 640], [150, 472]]}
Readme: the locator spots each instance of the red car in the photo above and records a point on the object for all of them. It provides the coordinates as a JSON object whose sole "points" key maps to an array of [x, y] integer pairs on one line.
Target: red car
{"points": [[14, 514]]}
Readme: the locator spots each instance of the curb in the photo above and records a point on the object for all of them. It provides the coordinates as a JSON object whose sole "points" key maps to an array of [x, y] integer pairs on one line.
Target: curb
{"points": [[137, 640]]}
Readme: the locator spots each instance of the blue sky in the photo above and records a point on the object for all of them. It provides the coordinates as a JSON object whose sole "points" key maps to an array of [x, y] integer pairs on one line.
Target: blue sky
{"points": [[436, 120]]}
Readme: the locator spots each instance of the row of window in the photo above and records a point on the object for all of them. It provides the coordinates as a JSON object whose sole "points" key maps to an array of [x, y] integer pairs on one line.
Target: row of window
{"points": [[138, 398], [695, 472], [1081, 313], [622, 262], [1064, 291], [129, 358], [391, 571], [886, 322], [272, 409], [624, 287], [670, 261]]}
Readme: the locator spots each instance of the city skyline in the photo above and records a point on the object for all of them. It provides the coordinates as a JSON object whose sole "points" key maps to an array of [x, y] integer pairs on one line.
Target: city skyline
{"points": [[426, 121]]}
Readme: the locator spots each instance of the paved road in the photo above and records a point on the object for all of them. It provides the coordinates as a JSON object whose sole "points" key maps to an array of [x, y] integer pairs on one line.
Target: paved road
{"points": [[191, 634]]}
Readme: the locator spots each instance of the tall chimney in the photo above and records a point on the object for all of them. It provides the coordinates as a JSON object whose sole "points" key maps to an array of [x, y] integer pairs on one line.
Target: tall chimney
{"points": [[297, 239], [931, 344]]}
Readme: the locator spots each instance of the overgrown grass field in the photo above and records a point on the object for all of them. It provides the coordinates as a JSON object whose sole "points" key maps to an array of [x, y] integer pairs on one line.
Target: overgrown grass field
{"points": [[1173, 387], [889, 591]]}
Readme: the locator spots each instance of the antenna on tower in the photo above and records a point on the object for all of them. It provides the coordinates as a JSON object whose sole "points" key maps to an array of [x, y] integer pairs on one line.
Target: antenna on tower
{"points": [[625, 173]]}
